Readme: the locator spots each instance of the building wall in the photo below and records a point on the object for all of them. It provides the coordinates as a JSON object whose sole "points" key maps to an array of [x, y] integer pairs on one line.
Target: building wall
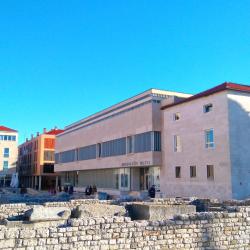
{"points": [[32, 170], [49, 147], [136, 121], [239, 131], [13, 153], [191, 126]]}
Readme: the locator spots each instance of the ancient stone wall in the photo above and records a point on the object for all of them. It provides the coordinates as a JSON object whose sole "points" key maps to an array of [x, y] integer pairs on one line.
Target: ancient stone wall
{"points": [[208, 230], [8, 210]]}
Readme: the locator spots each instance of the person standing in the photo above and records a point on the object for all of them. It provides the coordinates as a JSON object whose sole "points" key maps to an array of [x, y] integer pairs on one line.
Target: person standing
{"points": [[151, 192]]}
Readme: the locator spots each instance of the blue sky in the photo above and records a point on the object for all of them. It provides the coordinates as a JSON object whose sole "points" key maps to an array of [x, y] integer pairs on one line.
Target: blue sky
{"points": [[63, 60]]}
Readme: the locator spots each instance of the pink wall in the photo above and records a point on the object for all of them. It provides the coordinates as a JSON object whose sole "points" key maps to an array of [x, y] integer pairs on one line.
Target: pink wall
{"points": [[136, 121], [191, 128]]}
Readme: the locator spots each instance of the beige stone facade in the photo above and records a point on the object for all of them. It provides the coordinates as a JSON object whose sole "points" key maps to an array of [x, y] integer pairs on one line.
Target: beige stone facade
{"points": [[190, 128], [128, 134], [222, 169], [184, 145]]}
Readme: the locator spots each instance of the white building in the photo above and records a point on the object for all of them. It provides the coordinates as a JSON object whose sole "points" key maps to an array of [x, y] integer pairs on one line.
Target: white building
{"points": [[206, 144], [8, 154]]}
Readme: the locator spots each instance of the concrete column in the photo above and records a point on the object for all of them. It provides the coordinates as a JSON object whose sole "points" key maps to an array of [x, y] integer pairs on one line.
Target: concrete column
{"points": [[35, 181], [32, 181], [56, 182], [40, 182]]}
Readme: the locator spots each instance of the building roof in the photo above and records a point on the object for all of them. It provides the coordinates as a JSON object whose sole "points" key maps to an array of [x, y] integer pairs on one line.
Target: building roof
{"points": [[127, 102], [54, 132], [219, 88], [6, 129]]}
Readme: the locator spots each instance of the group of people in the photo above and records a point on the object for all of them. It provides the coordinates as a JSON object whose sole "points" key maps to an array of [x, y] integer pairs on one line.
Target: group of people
{"points": [[89, 190]]}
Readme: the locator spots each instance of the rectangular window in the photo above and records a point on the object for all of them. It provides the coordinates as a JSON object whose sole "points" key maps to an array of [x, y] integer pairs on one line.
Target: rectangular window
{"points": [[49, 156], [99, 150], [87, 153], [124, 180], [5, 165], [143, 142], [176, 116], [13, 138], [125, 175], [157, 141], [178, 172], [192, 171], [114, 147], [207, 108], [177, 143], [210, 172], [48, 168], [209, 138], [130, 144], [57, 158], [6, 152], [5, 137], [68, 156]]}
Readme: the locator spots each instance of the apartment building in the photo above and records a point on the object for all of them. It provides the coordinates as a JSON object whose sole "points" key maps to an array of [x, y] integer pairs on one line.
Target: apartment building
{"points": [[117, 149], [206, 144], [8, 154], [36, 161]]}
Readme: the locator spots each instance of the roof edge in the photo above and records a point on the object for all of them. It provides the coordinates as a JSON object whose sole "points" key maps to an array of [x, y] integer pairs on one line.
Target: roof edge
{"points": [[6, 129], [216, 89]]}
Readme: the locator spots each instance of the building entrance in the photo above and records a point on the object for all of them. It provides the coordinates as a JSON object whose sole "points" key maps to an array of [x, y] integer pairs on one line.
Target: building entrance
{"points": [[149, 176]]}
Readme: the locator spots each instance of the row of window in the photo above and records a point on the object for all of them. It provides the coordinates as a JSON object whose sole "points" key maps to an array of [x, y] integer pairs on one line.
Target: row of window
{"points": [[210, 172], [206, 109], [209, 140], [145, 142], [7, 138]]}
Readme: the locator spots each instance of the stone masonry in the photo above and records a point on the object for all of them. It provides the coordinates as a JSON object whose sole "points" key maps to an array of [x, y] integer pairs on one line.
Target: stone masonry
{"points": [[207, 230]]}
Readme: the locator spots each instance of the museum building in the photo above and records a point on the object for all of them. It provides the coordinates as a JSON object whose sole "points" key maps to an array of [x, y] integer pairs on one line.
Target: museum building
{"points": [[117, 149]]}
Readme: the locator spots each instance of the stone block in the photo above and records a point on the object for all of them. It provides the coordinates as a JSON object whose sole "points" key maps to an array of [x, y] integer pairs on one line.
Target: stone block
{"points": [[155, 212], [42, 213], [98, 210]]}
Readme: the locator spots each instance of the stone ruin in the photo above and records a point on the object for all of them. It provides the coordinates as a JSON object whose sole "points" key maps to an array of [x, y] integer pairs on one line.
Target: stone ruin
{"points": [[153, 224]]}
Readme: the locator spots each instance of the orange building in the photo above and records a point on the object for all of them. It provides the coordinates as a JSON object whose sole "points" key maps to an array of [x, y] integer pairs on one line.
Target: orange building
{"points": [[36, 161]]}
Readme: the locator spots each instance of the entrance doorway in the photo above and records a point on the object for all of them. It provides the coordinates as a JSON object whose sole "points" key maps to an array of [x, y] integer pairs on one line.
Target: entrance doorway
{"points": [[149, 176]]}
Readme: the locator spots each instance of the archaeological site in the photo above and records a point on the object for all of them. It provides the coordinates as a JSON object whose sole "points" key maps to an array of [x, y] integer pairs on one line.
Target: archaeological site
{"points": [[171, 223]]}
